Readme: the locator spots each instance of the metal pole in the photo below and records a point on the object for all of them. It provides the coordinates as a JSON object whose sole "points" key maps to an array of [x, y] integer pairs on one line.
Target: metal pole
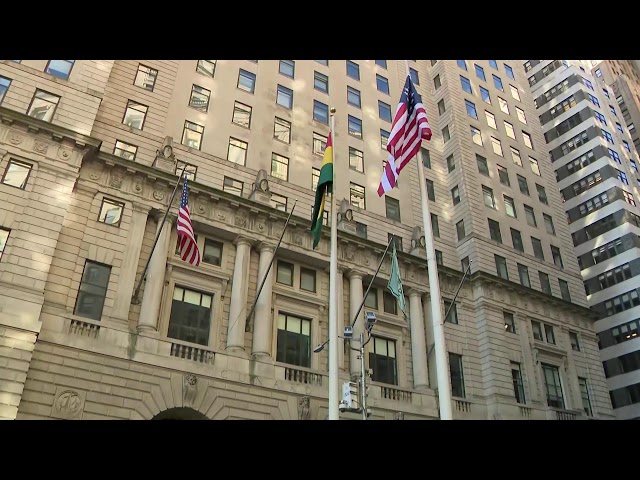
{"points": [[442, 370], [135, 300], [363, 381], [334, 394], [453, 302], [264, 279]]}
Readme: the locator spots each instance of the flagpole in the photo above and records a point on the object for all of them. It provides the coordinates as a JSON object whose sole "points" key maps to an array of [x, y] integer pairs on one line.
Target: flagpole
{"points": [[442, 362], [334, 397]]}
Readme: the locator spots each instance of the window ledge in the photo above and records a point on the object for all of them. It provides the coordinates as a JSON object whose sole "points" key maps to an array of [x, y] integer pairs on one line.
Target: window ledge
{"points": [[299, 295]]}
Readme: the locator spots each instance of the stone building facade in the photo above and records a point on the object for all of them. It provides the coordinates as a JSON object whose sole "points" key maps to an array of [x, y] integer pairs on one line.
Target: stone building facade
{"points": [[89, 152]]}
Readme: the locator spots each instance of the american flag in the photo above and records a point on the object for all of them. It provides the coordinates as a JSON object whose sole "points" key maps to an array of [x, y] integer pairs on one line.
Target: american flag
{"points": [[410, 127], [188, 247]]}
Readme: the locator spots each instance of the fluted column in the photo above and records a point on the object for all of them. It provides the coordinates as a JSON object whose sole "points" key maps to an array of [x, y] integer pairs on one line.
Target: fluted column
{"points": [[239, 289], [418, 341], [150, 308], [130, 260], [355, 299], [263, 317]]}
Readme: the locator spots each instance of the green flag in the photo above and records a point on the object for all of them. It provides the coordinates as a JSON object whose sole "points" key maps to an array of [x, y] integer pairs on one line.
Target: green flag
{"points": [[395, 282]]}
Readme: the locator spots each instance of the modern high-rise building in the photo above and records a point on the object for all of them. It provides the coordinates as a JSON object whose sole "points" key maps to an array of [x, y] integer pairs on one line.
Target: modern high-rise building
{"points": [[89, 157], [596, 168]]}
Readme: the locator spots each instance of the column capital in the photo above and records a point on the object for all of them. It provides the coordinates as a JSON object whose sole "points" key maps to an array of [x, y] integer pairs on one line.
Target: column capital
{"points": [[142, 208], [265, 247], [158, 215], [240, 240], [413, 292], [354, 274]]}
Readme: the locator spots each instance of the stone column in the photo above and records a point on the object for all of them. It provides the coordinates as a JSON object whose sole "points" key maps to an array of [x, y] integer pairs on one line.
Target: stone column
{"points": [[263, 317], [355, 299], [418, 341], [150, 308], [341, 317], [130, 260], [431, 362], [239, 289]]}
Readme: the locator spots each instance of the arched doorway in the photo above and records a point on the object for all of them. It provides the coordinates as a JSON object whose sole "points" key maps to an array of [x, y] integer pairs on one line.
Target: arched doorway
{"points": [[180, 413]]}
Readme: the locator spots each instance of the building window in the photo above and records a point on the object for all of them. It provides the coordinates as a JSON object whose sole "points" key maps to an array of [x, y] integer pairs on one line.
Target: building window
{"points": [[446, 136], [93, 290], [497, 82], [476, 137], [435, 227], [494, 231], [353, 70], [389, 303], [441, 107], [287, 68], [323, 62], [199, 98], [382, 84], [190, 319], [431, 194], [361, 230], [320, 112], [414, 76], [356, 160], [383, 361], [371, 300], [466, 85], [382, 63], [536, 328], [247, 81], [584, 393], [319, 143], [452, 309], [321, 82], [451, 164], [509, 322], [60, 68], [237, 152], [436, 82], [17, 174], [516, 239], [462, 64], [530, 216], [460, 231], [284, 97], [43, 106], [515, 155], [192, 135], [384, 111], [493, 64], [491, 120], [284, 273], [483, 167], [4, 238], [146, 77], [189, 170], [557, 257], [392, 208], [487, 194], [497, 146], [510, 207], [504, 106], [545, 284], [553, 386], [480, 72], [501, 267], [457, 375], [282, 130], [135, 115], [294, 340], [486, 96], [527, 140], [279, 166], [307, 279], [518, 386], [426, 157], [523, 185], [384, 139], [4, 86], [212, 253], [111, 212], [233, 186], [455, 195], [575, 343], [353, 97], [542, 194], [397, 241], [242, 114], [503, 175], [516, 94], [564, 290], [355, 127], [206, 67], [548, 223], [509, 72], [511, 133], [523, 273], [549, 334], [125, 150], [471, 109], [279, 202]]}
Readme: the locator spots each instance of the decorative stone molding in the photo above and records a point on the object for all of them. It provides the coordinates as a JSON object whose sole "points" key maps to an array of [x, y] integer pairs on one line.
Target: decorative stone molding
{"points": [[189, 389], [165, 158], [261, 192], [68, 404], [346, 222], [304, 408]]}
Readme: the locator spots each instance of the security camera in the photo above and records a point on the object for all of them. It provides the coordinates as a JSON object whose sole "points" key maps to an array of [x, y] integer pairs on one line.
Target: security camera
{"points": [[342, 407], [348, 331], [371, 320]]}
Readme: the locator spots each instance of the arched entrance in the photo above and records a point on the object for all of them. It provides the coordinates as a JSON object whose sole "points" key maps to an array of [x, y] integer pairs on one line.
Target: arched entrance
{"points": [[180, 413]]}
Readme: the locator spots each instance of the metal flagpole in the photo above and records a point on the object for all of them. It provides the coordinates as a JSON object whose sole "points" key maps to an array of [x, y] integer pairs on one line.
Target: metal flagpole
{"points": [[334, 394], [442, 362], [135, 300], [264, 279]]}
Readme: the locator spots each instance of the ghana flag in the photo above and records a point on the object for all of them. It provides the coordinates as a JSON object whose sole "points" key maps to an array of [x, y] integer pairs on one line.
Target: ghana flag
{"points": [[325, 184]]}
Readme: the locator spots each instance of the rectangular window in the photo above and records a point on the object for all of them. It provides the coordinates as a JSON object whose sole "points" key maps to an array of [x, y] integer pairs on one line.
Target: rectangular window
{"points": [[233, 186], [199, 98], [497, 146], [516, 239], [523, 273], [371, 300], [206, 67], [383, 361], [480, 72], [282, 130], [320, 112], [462, 64], [451, 164], [476, 136], [392, 208], [356, 160], [382, 84], [549, 334], [575, 344], [279, 202], [542, 194], [504, 106], [321, 82], [323, 62], [553, 386], [523, 185], [189, 170], [466, 85], [414, 76], [446, 136], [237, 152], [93, 290], [494, 231], [135, 115], [212, 253], [527, 140], [4, 238], [247, 81], [192, 135], [431, 193], [284, 97], [357, 196], [538, 252], [436, 82], [584, 393], [279, 167], [111, 212], [384, 111], [4, 86], [455, 195], [319, 143], [486, 96], [17, 174], [361, 230], [426, 157], [564, 290], [536, 328], [511, 133], [503, 175], [353, 70], [355, 127], [284, 273], [450, 312], [501, 267], [287, 68], [545, 284], [60, 68], [435, 226], [382, 63], [509, 322], [242, 114], [491, 120], [43, 105], [457, 375], [515, 155], [146, 77], [509, 72], [307, 279], [441, 107], [516, 94], [294, 340], [518, 386], [471, 109], [497, 82], [483, 167], [548, 223], [530, 216], [384, 139], [557, 258], [487, 194], [493, 64], [460, 231], [389, 303], [397, 241], [353, 97], [125, 150], [315, 178]]}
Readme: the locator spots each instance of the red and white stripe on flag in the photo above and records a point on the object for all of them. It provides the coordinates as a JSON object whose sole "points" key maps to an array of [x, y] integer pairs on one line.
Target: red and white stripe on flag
{"points": [[189, 251]]}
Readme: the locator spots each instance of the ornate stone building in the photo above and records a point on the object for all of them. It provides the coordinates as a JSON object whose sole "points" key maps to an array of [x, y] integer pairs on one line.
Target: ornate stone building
{"points": [[89, 152]]}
